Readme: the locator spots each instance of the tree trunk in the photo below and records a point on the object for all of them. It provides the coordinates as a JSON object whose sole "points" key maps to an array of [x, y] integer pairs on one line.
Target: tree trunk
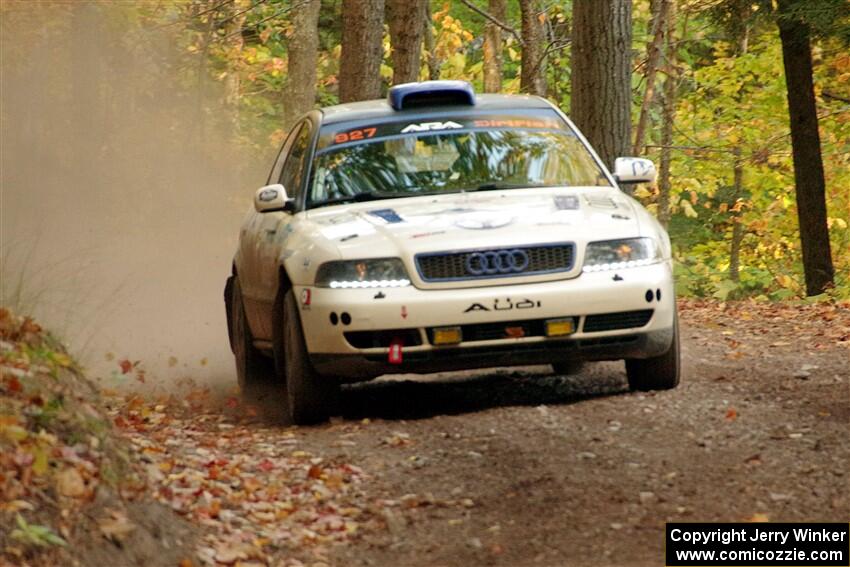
{"points": [[601, 74], [430, 45], [653, 56], [532, 79], [302, 61], [493, 48], [406, 30], [362, 51], [198, 132], [737, 228], [805, 145], [738, 171], [235, 17], [668, 114]]}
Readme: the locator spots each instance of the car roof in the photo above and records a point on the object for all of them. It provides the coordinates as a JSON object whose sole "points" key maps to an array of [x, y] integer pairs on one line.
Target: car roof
{"points": [[380, 109]]}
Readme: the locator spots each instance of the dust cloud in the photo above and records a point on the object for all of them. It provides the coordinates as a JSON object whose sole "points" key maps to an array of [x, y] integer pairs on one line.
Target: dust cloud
{"points": [[121, 191]]}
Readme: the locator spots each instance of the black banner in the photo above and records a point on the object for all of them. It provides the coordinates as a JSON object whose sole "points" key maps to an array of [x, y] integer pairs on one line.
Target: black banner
{"points": [[758, 544], [338, 134]]}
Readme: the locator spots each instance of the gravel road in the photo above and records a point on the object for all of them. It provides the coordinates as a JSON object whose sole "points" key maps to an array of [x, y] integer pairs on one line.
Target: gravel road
{"points": [[522, 467]]}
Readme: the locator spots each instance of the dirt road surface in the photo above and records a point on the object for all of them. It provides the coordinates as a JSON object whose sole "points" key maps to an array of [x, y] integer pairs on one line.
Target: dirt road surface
{"points": [[519, 466]]}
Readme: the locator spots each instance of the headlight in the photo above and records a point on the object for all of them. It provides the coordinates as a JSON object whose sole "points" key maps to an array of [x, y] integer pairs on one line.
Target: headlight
{"points": [[618, 254], [379, 272]]}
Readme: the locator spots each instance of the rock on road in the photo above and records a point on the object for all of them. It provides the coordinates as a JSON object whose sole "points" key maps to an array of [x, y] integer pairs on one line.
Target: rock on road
{"points": [[518, 466]]}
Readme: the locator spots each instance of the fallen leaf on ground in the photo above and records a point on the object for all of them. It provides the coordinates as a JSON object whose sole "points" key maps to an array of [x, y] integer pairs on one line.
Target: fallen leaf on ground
{"points": [[116, 527], [70, 483]]}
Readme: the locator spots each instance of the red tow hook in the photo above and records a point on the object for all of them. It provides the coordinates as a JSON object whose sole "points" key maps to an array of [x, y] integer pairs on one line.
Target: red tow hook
{"points": [[395, 354]]}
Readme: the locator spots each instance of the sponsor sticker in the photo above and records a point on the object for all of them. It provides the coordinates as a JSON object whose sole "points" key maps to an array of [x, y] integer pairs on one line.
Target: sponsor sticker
{"points": [[388, 215], [429, 126], [566, 202]]}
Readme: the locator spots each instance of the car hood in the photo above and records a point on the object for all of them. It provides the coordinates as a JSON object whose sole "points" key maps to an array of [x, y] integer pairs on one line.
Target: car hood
{"points": [[459, 221]]}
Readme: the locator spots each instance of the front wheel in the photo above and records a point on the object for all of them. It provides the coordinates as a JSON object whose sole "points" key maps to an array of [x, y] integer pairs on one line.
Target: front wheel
{"points": [[659, 372], [310, 397]]}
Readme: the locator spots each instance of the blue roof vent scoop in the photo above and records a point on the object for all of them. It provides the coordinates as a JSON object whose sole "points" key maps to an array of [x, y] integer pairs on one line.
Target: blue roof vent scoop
{"points": [[430, 93]]}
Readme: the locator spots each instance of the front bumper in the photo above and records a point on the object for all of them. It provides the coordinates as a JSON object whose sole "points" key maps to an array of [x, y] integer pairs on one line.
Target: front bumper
{"points": [[410, 312]]}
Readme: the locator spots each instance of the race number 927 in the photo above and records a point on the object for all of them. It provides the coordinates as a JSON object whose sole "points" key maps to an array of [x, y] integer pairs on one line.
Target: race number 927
{"points": [[354, 135]]}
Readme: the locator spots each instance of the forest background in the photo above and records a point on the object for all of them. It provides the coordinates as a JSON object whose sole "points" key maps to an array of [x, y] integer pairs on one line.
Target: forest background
{"points": [[228, 77]]}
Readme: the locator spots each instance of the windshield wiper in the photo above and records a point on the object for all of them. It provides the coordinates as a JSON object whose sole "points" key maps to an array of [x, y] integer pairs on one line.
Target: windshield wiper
{"points": [[356, 198]]}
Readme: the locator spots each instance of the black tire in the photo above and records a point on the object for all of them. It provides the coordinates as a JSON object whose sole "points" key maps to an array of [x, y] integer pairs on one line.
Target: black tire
{"points": [[659, 372], [253, 369], [310, 397], [568, 367]]}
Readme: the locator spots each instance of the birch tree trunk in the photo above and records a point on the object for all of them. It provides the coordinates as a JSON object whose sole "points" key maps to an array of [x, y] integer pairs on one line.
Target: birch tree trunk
{"points": [[362, 51]]}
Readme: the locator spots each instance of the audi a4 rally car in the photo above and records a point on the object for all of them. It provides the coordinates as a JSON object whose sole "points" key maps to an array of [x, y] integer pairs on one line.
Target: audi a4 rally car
{"points": [[442, 230]]}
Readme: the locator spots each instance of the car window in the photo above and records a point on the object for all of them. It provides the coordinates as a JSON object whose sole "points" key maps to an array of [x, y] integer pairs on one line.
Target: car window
{"points": [[292, 175], [274, 176], [461, 156]]}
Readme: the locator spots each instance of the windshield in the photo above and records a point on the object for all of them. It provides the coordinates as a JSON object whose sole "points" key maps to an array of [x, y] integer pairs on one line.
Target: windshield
{"points": [[455, 158]]}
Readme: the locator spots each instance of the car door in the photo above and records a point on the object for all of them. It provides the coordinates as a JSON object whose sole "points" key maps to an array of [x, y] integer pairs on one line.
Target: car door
{"points": [[274, 229], [250, 241]]}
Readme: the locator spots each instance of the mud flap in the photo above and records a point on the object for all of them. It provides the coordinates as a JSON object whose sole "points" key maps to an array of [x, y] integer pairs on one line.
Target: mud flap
{"points": [[228, 306]]}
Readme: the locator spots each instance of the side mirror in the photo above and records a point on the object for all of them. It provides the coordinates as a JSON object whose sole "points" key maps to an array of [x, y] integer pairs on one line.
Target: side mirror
{"points": [[272, 198], [629, 170]]}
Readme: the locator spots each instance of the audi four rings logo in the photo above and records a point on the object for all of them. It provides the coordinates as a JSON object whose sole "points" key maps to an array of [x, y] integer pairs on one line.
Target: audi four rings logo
{"points": [[497, 262]]}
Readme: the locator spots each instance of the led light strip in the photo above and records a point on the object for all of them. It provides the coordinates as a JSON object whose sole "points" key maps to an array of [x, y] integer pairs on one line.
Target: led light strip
{"points": [[369, 283], [619, 265]]}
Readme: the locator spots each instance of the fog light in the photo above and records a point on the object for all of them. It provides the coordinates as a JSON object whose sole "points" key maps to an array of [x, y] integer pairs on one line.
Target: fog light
{"points": [[447, 335], [560, 327]]}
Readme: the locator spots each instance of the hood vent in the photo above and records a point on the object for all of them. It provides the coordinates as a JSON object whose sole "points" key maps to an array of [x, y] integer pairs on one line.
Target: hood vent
{"points": [[600, 202], [430, 93]]}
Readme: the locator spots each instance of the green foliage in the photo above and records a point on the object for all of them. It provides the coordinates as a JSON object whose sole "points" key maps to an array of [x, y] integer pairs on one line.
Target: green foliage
{"points": [[825, 18], [34, 535], [44, 415], [731, 110]]}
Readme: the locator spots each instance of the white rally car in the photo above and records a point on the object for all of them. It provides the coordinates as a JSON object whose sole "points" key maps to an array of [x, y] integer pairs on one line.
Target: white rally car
{"points": [[442, 230]]}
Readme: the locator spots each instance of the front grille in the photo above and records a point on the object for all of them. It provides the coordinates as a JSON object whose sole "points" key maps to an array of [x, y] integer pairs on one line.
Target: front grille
{"points": [[497, 331], [452, 266], [615, 321], [501, 355], [382, 339]]}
